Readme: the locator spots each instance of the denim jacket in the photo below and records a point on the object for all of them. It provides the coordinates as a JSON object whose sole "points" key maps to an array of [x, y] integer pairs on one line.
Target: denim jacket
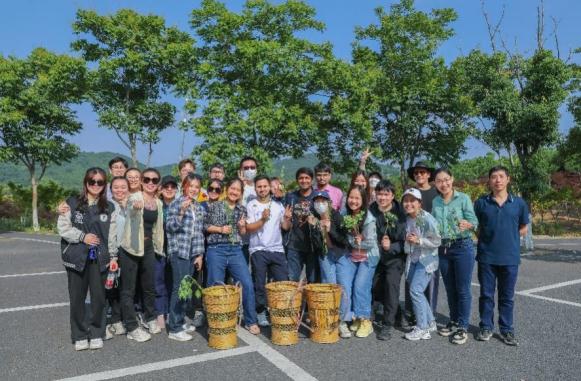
{"points": [[430, 240], [369, 243], [185, 235]]}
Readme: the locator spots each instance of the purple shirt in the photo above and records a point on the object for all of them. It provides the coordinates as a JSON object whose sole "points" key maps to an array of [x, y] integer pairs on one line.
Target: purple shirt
{"points": [[336, 195]]}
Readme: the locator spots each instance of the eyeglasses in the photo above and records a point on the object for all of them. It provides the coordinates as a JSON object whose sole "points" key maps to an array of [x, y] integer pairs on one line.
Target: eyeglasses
{"points": [[248, 167], [214, 189], [99, 183], [443, 181], [147, 180], [420, 172]]}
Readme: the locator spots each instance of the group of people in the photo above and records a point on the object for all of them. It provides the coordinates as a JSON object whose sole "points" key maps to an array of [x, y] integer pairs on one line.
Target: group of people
{"points": [[144, 234]]}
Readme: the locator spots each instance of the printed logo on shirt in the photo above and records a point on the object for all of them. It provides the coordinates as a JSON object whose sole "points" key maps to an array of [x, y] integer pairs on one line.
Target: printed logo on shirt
{"points": [[78, 217], [103, 217]]}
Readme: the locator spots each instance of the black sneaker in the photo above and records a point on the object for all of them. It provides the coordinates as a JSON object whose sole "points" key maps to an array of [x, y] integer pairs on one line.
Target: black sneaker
{"points": [[460, 336], [449, 329], [509, 339], [483, 335], [384, 333]]}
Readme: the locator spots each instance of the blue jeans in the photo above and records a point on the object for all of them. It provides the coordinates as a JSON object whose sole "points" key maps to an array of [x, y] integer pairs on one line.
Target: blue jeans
{"points": [[226, 256], [328, 265], [296, 260], [177, 308], [488, 276], [356, 279], [456, 265], [163, 285], [419, 280]]}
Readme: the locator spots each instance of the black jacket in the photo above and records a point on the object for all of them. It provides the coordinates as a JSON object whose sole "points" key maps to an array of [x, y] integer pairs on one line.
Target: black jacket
{"points": [[337, 233], [396, 234], [87, 219]]}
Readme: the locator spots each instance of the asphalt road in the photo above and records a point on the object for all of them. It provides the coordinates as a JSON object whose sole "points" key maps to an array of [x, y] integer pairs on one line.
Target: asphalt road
{"points": [[35, 342]]}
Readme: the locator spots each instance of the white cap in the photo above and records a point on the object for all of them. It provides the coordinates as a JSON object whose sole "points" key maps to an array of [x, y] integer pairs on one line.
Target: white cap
{"points": [[413, 192]]}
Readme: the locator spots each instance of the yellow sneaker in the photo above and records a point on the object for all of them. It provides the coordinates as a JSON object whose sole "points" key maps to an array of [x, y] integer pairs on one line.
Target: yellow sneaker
{"points": [[365, 328], [354, 327]]}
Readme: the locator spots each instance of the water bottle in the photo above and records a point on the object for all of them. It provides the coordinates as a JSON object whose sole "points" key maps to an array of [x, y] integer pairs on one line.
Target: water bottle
{"points": [[110, 281]]}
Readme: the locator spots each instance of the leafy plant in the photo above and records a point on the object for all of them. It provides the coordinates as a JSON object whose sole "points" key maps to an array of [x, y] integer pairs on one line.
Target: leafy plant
{"points": [[186, 290]]}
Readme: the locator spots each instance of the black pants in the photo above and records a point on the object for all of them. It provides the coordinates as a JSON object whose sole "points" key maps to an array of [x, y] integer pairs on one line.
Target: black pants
{"points": [[114, 301], [134, 269], [393, 269], [266, 263], [79, 282]]}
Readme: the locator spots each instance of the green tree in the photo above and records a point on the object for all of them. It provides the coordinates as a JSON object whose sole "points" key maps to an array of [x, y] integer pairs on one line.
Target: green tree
{"points": [[569, 151], [519, 98], [36, 118], [138, 60], [258, 81], [401, 97]]}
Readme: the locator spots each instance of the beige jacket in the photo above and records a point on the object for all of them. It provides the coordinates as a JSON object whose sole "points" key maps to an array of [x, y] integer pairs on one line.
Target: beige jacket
{"points": [[133, 234]]}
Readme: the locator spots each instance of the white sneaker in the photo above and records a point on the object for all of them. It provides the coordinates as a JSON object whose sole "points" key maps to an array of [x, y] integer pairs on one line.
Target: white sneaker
{"points": [[418, 334], [189, 328], [344, 331], [180, 336], [153, 327], [433, 327], [139, 335], [96, 343], [118, 328], [262, 319], [109, 332], [81, 345]]}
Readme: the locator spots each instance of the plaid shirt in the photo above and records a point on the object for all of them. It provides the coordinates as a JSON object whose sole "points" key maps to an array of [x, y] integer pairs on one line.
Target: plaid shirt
{"points": [[217, 216], [185, 235]]}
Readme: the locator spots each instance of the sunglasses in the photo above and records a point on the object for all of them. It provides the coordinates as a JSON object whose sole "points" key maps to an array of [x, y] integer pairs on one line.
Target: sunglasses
{"points": [[169, 186], [248, 168], [154, 180], [214, 189], [100, 183]]}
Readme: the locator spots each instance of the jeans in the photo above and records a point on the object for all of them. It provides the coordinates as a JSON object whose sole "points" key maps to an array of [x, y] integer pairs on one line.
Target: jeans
{"points": [[177, 308], [226, 256], [431, 294], [488, 276], [456, 265], [356, 279], [328, 265], [163, 285], [266, 263], [419, 280], [296, 260]]}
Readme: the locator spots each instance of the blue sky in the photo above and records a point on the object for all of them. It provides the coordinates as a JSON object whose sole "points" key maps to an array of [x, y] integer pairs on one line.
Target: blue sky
{"points": [[26, 24]]}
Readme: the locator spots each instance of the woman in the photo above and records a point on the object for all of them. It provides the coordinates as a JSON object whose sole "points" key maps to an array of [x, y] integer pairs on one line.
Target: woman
{"points": [[390, 223], [373, 179], [185, 233], [355, 270], [142, 240], [421, 246], [456, 219], [215, 191], [119, 194], [225, 224], [84, 230]]}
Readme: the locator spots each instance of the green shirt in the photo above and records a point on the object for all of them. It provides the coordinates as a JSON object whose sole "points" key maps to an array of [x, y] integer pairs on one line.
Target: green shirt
{"points": [[448, 215]]}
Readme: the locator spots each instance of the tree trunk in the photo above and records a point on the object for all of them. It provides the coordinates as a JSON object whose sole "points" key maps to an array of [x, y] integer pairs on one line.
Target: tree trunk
{"points": [[133, 149], [34, 185], [149, 153], [403, 173]]}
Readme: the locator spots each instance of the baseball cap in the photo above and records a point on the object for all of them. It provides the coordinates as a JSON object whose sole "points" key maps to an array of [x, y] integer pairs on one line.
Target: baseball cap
{"points": [[168, 180], [319, 193], [413, 192]]}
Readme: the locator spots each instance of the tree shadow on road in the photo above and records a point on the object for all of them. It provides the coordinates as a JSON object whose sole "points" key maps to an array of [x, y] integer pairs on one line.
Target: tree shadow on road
{"points": [[559, 255]]}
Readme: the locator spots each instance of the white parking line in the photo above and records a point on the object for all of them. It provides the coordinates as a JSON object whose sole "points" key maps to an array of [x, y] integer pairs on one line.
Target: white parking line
{"points": [[37, 307], [36, 240], [32, 274], [155, 366], [528, 293], [551, 286]]}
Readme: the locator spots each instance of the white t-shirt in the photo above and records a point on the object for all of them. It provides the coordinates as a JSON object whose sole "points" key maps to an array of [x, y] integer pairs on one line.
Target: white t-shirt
{"points": [[269, 236]]}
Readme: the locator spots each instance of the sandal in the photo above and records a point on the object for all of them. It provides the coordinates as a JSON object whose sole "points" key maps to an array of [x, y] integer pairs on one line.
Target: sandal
{"points": [[253, 329]]}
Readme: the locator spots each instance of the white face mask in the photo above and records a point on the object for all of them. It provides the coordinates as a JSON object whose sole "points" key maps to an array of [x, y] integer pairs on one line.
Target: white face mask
{"points": [[373, 182], [250, 174], [321, 207]]}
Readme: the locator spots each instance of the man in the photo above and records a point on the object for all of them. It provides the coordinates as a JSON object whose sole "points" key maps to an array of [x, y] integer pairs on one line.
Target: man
{"points": [[421, 173], [247, 171], [117, 168], [216, 172], [323, 176], [265, 218], [502, 219], [276, 189], [298, 240]]}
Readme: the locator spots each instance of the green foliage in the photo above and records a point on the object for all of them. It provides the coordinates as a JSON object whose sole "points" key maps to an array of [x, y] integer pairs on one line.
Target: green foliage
{"points": [[186, 289], [398, 95], [353, 222], [258, 81], [478, 167], [569, 156], [137, 59]]}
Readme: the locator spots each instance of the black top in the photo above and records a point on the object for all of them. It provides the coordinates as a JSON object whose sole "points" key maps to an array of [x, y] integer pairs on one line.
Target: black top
{"points": [[427, 198], [396, 232], [299, 236], [149, 219]]}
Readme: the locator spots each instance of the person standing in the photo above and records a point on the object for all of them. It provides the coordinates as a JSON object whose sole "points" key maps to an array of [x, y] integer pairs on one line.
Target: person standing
{"points": [[84, 231], [323, 175], [117, 168], [265, 219], [421, 246], [503, 219], [454, 213], [247, 171]]}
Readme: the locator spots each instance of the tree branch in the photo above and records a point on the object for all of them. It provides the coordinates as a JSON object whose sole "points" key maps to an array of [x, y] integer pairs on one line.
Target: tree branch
{"points": [[555, 35], [492, 31], [121, 137]]}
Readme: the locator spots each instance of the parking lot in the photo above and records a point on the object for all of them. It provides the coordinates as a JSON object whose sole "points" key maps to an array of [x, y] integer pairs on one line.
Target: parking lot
{"points": [[35, 334]]}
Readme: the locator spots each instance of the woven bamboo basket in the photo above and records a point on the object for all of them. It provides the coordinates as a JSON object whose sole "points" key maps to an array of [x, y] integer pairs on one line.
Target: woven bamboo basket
{"points": [[323, 301], [221, 304], [284, 304]]}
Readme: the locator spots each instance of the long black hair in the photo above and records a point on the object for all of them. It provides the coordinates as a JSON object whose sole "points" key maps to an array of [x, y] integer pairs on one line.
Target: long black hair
{"points": [[102, 203], [364, 208]]}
